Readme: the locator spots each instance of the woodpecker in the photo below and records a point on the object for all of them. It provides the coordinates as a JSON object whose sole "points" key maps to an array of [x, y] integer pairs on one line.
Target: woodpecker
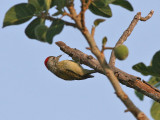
{"points": [[67, 69]]}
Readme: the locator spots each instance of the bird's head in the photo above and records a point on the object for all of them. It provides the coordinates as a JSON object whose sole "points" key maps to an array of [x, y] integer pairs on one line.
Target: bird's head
{"points": [[51, 61]]}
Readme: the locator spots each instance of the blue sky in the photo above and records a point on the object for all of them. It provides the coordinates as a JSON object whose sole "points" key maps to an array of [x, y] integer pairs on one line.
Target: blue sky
{"points": [[28, 91]]}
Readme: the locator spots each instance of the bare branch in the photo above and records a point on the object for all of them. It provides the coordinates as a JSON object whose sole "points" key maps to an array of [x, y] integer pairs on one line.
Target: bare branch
{"points": [[148, 16], [125, 78], [110, 75], [93, 63], [70, 24], [106, 69], [88, 4], [67, 14], [88, 48], [84, 7], [127, 32], [65, 22], [82, 13], [110, 48], [106, 48], [74, 17]]}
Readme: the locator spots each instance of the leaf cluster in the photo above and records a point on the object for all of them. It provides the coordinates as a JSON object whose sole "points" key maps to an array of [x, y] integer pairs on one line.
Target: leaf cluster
{"points": [[154, 70], [38, 11]]}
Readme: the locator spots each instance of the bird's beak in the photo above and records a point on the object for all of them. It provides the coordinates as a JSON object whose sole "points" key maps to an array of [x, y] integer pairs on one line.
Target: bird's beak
{"points": [[59, 57]]}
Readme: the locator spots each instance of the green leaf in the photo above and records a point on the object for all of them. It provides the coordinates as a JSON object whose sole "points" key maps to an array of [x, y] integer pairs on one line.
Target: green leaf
{"points": [[19, 14], [42, 5], [30, 30], [55, 28], [98, 21], [153, 70], [104, 41], [157, 85], [123, 3], [100, 8], [52, 3], [60, 3], [41, 2], [155, 111], [142, 68], [156, 62], [38, 4], [103, 2], [34, 3], [48, 4], [154, 80], [139, 95], [145, 70], [40, 32]]}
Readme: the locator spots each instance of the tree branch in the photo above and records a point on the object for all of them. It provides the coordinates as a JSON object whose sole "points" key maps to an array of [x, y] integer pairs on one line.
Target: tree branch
{"points": [[52, 19], [93, 63], [127, 32], [103, 63], [75, 17], [148, 16], [84, 7], [82, 13], [110, 75], [124, 78]]}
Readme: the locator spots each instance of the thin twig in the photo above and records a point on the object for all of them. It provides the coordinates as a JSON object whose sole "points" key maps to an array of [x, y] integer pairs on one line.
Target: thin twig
{"points": [[67, 14], [103, 48], [83, 9], [65, 22], [148, 16], [88, 48], [106, 48], [127, 32], [88, 4], [93, 31], [110, 48], [125, 36], [102, 51]]}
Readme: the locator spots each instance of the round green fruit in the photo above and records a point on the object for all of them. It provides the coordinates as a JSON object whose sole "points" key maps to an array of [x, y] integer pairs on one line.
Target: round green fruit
{"points": [[121, 52], [40, 32]]}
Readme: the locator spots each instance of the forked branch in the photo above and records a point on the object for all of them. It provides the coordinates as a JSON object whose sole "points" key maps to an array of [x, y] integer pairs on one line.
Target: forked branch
{"points": [[93, 63], [105, 67], [123, 77], [128, 31]]}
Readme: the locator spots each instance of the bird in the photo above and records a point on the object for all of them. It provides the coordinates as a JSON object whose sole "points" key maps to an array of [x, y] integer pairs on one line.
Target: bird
{"points": [[67, 69]]}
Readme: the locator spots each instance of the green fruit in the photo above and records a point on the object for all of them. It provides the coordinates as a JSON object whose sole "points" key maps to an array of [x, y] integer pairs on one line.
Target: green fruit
{"points": [[121, 52], [40, 32]]}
